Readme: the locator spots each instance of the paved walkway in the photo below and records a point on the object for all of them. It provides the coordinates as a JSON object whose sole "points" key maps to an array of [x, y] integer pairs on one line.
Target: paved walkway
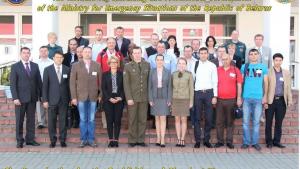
{"points": [[124, 160]]}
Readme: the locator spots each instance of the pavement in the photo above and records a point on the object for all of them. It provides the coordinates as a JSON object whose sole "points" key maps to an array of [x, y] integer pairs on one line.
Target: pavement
{"points": [[147, 160]]}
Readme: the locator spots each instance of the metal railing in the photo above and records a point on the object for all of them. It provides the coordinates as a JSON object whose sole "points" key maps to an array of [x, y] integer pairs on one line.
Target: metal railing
{"points": [[5, 69]]}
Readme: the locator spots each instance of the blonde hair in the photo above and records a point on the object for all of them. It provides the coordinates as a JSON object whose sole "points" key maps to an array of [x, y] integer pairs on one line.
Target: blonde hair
{"points": [[52, 34], [113, 58]]}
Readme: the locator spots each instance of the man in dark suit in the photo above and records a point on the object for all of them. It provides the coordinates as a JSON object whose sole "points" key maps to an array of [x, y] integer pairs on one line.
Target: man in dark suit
{"points": [[122, 42], [56, 97], [71, 56], [78, 37], [25, 86]]}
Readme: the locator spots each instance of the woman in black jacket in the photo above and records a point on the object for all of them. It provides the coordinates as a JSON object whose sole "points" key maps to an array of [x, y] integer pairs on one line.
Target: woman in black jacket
{"points": [[113, 96]]}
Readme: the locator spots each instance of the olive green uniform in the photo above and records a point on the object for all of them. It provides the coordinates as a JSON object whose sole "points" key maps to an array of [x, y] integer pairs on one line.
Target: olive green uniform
{"points": [[135, 77]]}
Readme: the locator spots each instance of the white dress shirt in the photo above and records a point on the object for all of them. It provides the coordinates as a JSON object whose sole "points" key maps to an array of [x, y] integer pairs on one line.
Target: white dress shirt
{"points": [[43, 63], [206, 77]]}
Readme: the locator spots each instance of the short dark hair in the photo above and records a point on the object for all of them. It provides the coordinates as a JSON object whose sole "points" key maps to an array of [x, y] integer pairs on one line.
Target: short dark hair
{"points": [[210, 37], [253, 50], [259, 35], [137, 47], [24, 48], [99, 30], [221, 46], [161, 42], [119, 27], [203, 49], [44, 47], [160, 55], [80, 27], [58, 53], [87, 47], [187, 46], [71, 40], [277, 55]]}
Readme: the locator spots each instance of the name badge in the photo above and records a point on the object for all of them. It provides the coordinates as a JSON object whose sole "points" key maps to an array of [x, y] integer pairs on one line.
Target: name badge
{"points": [[94, 73], [281, 79], [232, 74], [259, 71], [65, 76]]}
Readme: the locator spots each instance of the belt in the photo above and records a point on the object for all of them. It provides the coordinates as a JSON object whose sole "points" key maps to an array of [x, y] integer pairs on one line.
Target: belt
{"points": [[205, 91], [278, 97]]}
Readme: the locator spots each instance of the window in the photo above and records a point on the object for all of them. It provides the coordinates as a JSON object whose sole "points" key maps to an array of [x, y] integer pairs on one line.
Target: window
{"points": [[182, 17], [134, 17], [292, 51], [7, 25], [91, 22], [292, 26], [26, 25], [222, 25]]}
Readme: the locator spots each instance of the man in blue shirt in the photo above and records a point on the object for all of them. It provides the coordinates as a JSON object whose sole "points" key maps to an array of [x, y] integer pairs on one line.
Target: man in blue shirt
{"points": [[170, 59], [254, 96]]}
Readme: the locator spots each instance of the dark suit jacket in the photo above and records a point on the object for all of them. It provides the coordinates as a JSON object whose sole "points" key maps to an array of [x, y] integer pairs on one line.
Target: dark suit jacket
{"points": [[67, 59], [107, 85], [25, 88], [82, 41], [53, 91], [124, 47]]}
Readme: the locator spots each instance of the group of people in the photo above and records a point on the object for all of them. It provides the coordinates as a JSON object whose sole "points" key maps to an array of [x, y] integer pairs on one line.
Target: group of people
{"points": [[202, 83]]}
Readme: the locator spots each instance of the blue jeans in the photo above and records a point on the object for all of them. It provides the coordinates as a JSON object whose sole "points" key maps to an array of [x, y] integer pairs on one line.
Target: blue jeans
{"points": [[252, 108], [87, 110]]}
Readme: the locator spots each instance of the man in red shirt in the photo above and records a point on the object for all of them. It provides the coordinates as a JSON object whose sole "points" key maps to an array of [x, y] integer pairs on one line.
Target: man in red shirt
{"points": [[229, 95]]}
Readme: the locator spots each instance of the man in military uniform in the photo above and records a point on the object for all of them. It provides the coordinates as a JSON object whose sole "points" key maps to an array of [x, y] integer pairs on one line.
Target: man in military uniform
{"points": [[240, 46], [136, 86]]}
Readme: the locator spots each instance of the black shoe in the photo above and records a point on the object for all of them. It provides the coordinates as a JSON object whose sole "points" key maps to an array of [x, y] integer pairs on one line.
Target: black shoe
{"points": [[141, 144], [230, 145], [33, 143], [116, 143], [132, 144], [19, 145], [182, 143], [162, 145], [244, 146], [278, 145], [111, 144], [207, 144], [75, 125], [82, 144], [52, 145], [218, 145], [269, 145], [40, 126], [257, 147], [157, 144], [178, 143], [197, 145], [63, 144]]}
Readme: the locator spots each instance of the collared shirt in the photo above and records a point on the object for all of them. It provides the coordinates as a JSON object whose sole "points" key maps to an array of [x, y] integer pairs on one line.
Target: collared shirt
{"points": [[87, 65], [119, 42], [279, 83], [227, 82], [96, 49], [114, 83], [73, 57], [24, 63], [191, 65], [60, 68], [43, 63], [170, 61], [206, 77], [159, 78]]}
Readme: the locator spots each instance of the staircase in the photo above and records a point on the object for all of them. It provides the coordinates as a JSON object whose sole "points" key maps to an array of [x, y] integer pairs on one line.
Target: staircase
{"points": [[290, 135]]}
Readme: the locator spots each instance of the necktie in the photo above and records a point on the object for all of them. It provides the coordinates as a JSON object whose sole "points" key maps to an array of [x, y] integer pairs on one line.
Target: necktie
{"points": [[58, 74], [27, 69]]}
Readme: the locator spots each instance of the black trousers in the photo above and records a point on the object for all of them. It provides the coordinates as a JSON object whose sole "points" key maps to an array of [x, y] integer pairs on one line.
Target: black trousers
{"points": [[29, 110], [202, 100], [113, 113], [60, 110], [277, 108], [75, 116]]}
